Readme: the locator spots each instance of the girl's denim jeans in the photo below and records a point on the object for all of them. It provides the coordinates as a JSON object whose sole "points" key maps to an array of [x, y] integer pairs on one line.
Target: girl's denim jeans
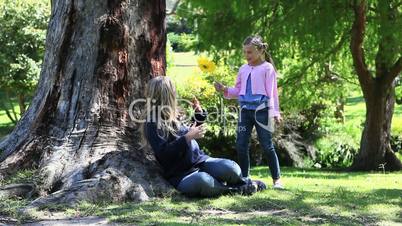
{"points": [[247, 119]]}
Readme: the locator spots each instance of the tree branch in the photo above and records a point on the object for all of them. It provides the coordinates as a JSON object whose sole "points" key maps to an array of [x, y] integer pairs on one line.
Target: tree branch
{"points": [[386, 70], [356, 44], [394, 71], [345, 78], [316, 59], [174, 8]]}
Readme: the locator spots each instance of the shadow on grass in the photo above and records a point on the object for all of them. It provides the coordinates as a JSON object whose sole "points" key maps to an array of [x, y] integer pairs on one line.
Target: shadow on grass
{"points": [[354, 100], [339, 205], [335, 173], [250, 210], [189, 211]]}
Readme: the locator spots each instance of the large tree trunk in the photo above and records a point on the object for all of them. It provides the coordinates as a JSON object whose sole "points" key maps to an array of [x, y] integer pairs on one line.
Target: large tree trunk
{"points": [[375, 149], [77, 130]]}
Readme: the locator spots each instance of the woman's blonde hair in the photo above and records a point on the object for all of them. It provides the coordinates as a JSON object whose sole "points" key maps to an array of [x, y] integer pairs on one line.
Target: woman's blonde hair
{"points": [[260, 45], [161, 92]]}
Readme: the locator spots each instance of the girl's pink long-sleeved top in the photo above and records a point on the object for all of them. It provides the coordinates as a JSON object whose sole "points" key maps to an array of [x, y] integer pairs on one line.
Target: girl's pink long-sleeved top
{"points": [[263, 81]]}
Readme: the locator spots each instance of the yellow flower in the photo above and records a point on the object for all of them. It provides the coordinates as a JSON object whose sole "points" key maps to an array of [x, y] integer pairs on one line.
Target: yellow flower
{"points": [[206, 65]]}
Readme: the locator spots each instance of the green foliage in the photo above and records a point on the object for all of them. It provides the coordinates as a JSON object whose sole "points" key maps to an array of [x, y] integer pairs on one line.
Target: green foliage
{"points": [[284, 24], [311, 54], [23, 27], [335, 153], [182, 42], [169, 56], [396, 143], [398, 91], [310, 31], [309, 41], [177, 25], [337, 143]]}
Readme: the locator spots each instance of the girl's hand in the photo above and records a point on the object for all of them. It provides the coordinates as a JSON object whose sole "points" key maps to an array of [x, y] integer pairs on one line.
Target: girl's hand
{"points": [[195, 132], [278, 119], [219, 87]]}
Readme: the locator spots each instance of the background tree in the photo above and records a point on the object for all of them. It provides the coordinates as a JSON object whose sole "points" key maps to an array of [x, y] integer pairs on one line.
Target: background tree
{"points": [[309, 38], [22, 34], [379, 86], [77, 131]]}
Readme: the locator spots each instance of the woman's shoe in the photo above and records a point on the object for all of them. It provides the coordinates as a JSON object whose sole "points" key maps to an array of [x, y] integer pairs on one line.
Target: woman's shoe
{"points": [[248, 189], [260, 185]]}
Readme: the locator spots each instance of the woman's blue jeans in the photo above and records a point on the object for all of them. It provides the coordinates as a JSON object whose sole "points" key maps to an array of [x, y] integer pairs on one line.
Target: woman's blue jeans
{"points": [[216, 176], [247, 119]]}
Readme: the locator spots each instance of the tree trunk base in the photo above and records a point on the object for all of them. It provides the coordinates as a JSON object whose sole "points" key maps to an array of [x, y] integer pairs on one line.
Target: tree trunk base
{"points": [[105, 169], [27, 157], [390, 163], [18, 190], [393, 163]]}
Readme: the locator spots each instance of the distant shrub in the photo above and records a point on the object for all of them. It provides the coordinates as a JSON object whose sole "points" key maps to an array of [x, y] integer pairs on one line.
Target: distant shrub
{"points": [[396, 143], [169, 55], [334, 153], [181, 42]]}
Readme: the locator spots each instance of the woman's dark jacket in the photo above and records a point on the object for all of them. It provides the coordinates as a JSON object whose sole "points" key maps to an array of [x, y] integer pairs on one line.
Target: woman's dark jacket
{"points": [[177, 157]]}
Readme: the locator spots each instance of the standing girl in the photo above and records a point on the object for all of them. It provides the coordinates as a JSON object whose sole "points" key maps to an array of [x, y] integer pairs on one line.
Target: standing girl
{"points": [[256, 91]]}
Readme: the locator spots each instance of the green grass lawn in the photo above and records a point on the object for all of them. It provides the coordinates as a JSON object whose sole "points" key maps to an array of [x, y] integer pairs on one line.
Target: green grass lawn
{"points": [[312, 197], [6, 125]]}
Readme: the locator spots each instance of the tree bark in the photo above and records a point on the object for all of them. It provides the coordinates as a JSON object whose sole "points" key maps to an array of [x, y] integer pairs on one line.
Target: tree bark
{"points": [[77, 130]]}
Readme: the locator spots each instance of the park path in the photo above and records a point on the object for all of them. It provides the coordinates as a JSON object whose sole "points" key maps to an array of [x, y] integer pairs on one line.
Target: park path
{"points": [[91, 220], [60, 219]]}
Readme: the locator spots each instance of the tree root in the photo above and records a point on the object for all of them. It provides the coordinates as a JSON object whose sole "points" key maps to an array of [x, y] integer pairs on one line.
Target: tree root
{"points": [[18, 190]]}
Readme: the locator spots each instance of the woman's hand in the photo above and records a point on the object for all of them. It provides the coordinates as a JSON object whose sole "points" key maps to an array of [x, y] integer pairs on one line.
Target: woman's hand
{"points": [[196, 104], [195, 132], [219, 87]]}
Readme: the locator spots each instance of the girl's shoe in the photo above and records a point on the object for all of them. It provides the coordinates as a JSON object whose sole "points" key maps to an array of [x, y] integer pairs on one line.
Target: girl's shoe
{"points": [[278, 185]]}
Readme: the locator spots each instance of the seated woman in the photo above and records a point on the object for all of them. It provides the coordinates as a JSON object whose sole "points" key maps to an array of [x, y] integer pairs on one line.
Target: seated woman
{"points": [[174, 144]]}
